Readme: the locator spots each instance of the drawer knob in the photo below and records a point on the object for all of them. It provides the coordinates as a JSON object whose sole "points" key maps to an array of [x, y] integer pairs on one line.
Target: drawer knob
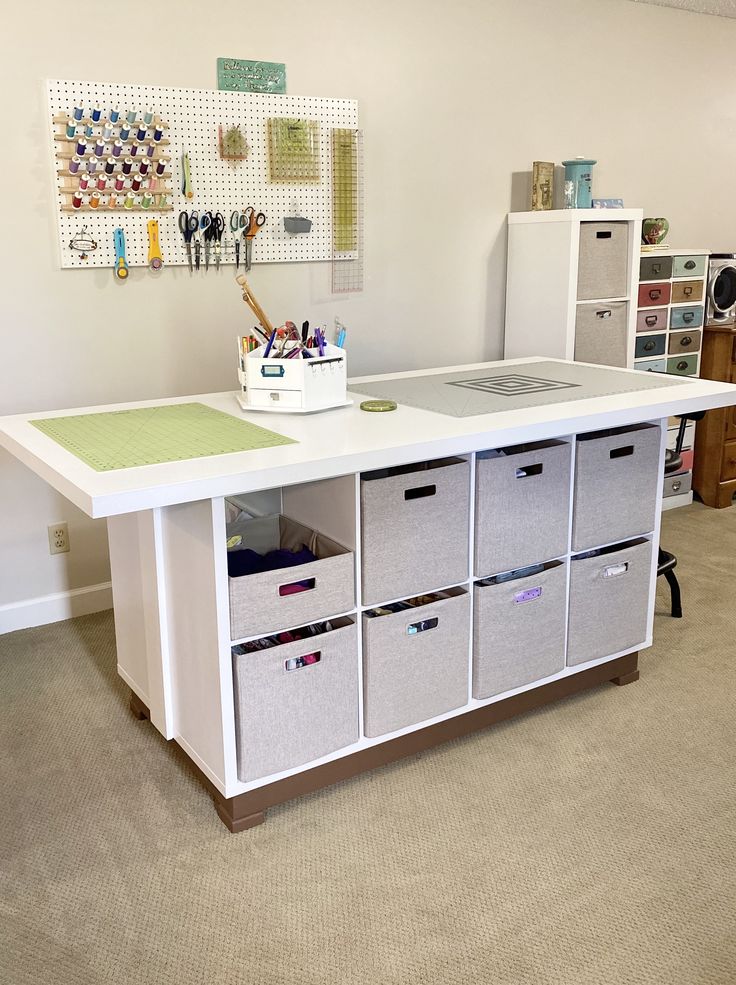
{"points": [[655, 295], [688, 316], [682, 364], [686, 340], [687, 291], [651, 319], [648, 346], [689, 265], [656, 267], [676, 486]]}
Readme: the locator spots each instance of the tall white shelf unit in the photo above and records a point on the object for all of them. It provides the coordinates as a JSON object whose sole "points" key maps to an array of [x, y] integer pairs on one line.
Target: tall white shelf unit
{"points": [[571, 284]]}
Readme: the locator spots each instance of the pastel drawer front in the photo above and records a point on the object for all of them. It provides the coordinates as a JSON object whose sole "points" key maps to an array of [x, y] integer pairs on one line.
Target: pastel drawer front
{"points": [[684, 342], [687, 290], [676, 485], [650, 345], [688, 266], [655, 268], [687, 317], [728, 468], [653, 295], [652, 320], [683, 365], [651, 365], [688, 459]]}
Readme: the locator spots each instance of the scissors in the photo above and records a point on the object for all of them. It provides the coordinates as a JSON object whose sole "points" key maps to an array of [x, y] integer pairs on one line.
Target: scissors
{"points": [[217, 228], [188, 224], [237, 222], [253, 222], [205, 221]]}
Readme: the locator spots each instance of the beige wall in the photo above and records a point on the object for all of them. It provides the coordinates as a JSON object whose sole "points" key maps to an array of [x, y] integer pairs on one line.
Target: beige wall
{"points": [[454, 99]]}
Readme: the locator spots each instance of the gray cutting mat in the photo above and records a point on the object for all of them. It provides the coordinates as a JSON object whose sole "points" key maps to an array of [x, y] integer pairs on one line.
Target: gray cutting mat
{"points": [[472, 392]]}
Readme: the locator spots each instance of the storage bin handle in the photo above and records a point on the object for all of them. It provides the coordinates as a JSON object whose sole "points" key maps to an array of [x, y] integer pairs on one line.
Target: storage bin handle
{"points": [[296, 587], [307, 660], [603, 313], [421, 627], [616, 569], [651, 319], [688, 316], [603, 234], [621, 452], [526, 470], [656, 294], [528, 595], [420, 492]]}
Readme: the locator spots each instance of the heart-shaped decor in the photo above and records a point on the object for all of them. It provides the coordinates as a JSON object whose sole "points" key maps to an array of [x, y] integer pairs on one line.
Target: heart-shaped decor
{"points": [[653, 231]]}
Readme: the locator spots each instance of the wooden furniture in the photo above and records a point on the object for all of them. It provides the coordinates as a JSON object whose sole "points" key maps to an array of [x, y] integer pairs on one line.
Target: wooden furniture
{"points": [[571, 284], [168, 534], [714, 475]]}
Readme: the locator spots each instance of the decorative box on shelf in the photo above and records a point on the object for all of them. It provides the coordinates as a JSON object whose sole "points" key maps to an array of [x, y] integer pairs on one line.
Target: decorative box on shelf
{"points": [[293, 385]]}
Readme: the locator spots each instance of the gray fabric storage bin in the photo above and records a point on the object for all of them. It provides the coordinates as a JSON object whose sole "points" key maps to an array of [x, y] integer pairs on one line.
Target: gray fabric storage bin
{"points": [[519, 630], [522, 506], [603, 260], [609, 601], [409, 677], [257, 608], [414, 529], [284, 718], [617, 478], [601, 333]]}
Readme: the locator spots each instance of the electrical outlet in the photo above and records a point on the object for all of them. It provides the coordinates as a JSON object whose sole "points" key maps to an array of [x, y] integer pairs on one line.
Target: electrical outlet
{"points": [[58, 538]]}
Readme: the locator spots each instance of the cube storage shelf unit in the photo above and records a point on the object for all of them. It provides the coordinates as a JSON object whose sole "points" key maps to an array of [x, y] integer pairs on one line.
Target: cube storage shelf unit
{"points": [[427, 530], [571, 284]]}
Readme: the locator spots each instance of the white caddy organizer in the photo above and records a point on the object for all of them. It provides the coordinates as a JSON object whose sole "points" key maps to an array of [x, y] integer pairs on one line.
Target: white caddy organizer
{"points": [[293, 386]]}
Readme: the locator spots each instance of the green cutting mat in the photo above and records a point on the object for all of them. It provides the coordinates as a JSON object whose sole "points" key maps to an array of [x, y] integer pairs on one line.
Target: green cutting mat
{"points": [[123, 439]]}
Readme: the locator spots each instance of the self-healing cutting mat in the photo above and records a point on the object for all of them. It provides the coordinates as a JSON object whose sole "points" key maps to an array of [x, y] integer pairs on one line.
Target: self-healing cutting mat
{"points": [[124, 439], [499, 388]]}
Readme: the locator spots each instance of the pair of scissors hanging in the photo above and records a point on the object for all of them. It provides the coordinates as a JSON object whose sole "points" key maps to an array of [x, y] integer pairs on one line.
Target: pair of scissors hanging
{"points": [[188, 225], [253, 222]]}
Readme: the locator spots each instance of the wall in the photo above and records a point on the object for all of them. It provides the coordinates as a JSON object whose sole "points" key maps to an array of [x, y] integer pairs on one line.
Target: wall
{"points": [[455, 99]]}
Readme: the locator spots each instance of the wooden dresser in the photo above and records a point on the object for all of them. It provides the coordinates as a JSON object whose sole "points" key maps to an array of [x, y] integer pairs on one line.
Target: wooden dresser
{"points": [[714, 474]]}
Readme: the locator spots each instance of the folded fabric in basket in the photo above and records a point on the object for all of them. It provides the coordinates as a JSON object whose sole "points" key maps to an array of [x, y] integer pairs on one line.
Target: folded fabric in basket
{"points": [[248, 562]]}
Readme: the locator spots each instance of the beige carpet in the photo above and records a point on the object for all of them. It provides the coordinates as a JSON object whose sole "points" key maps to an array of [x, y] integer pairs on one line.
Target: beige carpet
{"points": [[590, 843]]}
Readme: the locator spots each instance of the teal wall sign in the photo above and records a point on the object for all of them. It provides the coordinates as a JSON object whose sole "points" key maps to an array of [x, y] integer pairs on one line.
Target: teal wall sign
{"points": [[239, 75]]}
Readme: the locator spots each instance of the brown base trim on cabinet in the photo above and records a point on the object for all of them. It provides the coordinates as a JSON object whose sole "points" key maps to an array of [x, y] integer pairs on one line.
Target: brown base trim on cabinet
{"points": [[248, 809]]}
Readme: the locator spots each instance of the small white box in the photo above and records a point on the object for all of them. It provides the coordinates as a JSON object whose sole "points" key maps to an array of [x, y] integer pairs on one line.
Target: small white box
{"points": [[294, 386]]}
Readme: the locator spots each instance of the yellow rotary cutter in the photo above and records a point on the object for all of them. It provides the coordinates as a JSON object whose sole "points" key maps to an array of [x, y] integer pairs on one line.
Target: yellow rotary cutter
{"points": [[155, 260]]}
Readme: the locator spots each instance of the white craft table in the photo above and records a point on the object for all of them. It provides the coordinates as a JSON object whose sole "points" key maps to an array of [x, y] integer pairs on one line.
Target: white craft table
{"points": [[166, 527]]}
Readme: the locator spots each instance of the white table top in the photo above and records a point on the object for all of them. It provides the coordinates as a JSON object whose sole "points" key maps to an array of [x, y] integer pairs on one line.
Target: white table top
{"points": [[335, 442]]}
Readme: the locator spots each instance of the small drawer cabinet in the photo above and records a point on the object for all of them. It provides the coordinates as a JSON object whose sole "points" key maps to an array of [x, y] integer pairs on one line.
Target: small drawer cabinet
{"points": [[714, 471]]}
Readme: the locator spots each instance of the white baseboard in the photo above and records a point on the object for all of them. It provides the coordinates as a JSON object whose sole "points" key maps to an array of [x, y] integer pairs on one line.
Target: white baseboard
{"points": [[54, 608]]}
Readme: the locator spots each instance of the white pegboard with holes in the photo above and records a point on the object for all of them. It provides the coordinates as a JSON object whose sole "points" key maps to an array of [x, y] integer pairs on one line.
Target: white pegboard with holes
{"points": [[193, 117]]}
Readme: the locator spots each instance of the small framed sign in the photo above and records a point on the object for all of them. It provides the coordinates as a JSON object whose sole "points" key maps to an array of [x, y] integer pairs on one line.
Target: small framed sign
{"points": [[240, 75]]}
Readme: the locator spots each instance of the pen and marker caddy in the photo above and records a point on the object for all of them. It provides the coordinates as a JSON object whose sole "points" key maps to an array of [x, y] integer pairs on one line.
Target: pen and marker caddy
{"points": [[293, 386]]}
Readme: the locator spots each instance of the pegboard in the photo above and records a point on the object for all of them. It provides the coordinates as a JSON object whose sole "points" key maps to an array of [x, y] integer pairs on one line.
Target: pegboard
{"points": [[193, 117]]}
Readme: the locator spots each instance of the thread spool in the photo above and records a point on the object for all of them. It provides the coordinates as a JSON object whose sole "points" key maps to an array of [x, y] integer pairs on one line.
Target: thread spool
{"points": [[148, 117], [150, 148], [107, 130], [110, 165], [163, 200], [131, 116], [96, 114], [83, 182], [158, 132], [88, 130], [134, 148], [71, 128], [77, 200], [82, 146], [112, 201], [78, 112], [119, 183], [136, 183], [129, 201], [99, 147], [147, 200], [115, 114], [117, 148], [127, 165], [144, 167], [141, 132], [152, 182], [102, 183], [92, 165], [74, 164], [161, 166], [94, 199], [124, 131]]}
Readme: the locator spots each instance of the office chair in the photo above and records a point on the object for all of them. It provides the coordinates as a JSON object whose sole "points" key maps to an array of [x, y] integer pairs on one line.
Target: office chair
{"points": [[666, 561]]}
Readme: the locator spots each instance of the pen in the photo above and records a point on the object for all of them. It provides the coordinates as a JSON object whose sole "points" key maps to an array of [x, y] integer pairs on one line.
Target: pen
{"points": [[269, 345], [341, 337], [305, 332]]}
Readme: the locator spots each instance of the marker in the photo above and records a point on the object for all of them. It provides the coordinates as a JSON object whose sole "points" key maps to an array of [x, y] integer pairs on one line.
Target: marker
{"points": [[269, 345]]}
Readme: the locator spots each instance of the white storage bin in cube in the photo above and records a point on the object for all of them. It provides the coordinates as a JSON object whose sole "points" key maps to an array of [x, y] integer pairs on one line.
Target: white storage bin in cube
{"points": [[294, 385], [519, 629], [603, 260], [415, 662], [601, 333], [617, 478], [522, 505], [609, 601], [414, 528], [296, 702], [264, 602]]}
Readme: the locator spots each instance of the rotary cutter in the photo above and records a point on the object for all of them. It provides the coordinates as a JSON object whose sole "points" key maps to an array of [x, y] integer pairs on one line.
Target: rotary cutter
{"points": [[121, 264], [155, 260]]}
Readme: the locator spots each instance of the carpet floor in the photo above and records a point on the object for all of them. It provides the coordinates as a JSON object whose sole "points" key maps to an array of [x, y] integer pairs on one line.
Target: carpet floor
{"points": [[592, 842]]}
